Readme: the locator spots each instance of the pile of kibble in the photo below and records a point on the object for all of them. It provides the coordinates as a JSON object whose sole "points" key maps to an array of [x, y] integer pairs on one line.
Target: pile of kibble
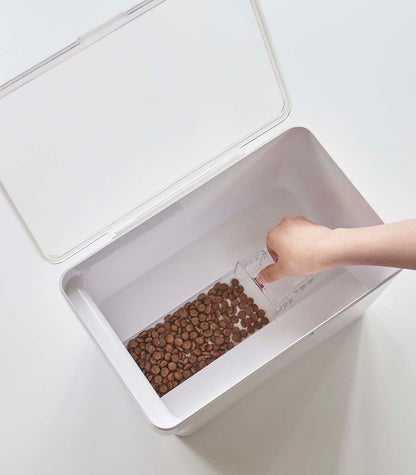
{"points": [[195, 335]]}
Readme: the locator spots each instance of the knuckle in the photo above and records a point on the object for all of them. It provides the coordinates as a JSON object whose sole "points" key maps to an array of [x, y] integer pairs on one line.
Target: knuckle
{"points": [[267, 273], [270, 234]]}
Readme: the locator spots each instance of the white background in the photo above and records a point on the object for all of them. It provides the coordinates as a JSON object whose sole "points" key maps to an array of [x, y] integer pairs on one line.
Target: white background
{"points": [[346, 408]]}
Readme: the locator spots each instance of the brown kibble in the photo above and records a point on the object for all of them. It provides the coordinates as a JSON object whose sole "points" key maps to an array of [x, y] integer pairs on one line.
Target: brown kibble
{"points": [[134, 355], [187, 345], [172, 366], [178, 341], [162, 343], [195, 335], [236, 337]]}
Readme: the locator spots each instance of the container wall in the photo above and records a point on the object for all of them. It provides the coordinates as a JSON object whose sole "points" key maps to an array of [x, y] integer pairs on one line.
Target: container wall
{"points": [[162, 263]]}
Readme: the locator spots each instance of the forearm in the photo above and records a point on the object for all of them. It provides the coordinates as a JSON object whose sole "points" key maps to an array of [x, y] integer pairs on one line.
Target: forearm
{"points": [[391, 245]]}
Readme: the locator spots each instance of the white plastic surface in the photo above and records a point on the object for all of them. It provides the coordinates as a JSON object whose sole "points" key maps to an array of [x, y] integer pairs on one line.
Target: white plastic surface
{"points": [[75, 141], [152, 269]]}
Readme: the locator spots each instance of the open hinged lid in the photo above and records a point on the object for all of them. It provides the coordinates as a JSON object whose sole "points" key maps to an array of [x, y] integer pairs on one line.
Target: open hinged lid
{"points": [[133, 115]]}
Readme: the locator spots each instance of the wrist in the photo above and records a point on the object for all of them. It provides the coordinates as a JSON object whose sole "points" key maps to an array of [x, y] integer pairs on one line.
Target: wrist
{"points": [[334, 252]]}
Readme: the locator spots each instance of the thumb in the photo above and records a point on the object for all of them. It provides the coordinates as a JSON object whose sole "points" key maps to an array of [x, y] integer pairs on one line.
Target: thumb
{"points": [[270, 274]]}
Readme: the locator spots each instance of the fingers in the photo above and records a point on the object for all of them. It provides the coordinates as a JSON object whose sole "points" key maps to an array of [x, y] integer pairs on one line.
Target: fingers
{"points": [[273, 254], [270, 274]]}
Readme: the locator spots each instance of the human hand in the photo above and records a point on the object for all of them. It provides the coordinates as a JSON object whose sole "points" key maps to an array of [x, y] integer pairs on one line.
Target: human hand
{"points": [[298, 247]]}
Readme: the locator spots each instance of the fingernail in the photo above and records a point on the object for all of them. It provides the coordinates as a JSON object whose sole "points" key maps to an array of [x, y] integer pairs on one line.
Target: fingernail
{"points": [[260, 278]]}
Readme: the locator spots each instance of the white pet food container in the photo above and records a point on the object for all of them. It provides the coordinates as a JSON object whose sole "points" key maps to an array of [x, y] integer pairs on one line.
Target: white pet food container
{"points": [[149, 135]]}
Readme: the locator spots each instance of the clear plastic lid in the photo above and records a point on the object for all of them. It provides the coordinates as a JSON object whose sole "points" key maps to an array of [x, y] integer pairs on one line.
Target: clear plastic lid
{"points": [[134, 114]]}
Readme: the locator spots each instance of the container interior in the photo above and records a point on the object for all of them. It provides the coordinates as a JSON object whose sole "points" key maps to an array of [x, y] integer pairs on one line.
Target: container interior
{"points": [[139, 278]]}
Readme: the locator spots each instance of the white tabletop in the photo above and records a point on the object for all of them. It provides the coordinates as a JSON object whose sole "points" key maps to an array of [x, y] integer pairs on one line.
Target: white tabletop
{"points": [[347, 407]]}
